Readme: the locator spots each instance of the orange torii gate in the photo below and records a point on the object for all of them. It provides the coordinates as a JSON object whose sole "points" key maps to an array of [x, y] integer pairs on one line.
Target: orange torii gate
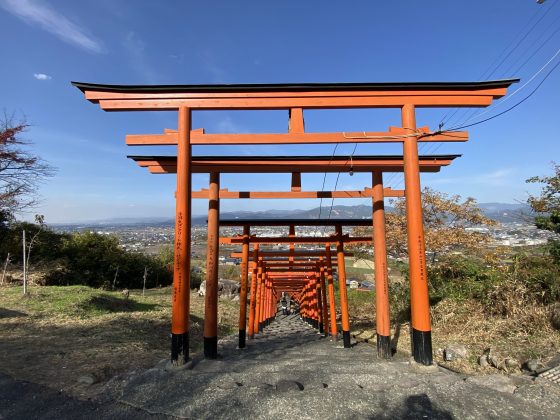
{"points": [[288, 281], [339, 239], [298, 164], [296, 98], [260, 260]]}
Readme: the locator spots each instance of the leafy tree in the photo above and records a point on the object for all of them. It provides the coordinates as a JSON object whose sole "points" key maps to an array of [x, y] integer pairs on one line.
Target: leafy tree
{"points": [[46, 246], [21, 171], [446, 219], [166, 257], [547, 204], [547, 207], [93, 259]]}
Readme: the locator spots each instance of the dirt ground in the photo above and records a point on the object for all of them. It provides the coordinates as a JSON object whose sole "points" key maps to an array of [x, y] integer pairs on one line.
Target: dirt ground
{"points": [[52, 341]]}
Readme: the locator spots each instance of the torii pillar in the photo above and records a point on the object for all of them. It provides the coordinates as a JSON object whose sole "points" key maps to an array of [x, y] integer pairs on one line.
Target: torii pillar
{"points": [[382, 316], [419, 299], [211, 295], [243, 291], [253, 293], [332, 303], [182, 256], [342, 289]]}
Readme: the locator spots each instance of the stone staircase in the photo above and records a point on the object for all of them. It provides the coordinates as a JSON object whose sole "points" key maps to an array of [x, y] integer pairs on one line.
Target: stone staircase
{"points": [[290, 371]]}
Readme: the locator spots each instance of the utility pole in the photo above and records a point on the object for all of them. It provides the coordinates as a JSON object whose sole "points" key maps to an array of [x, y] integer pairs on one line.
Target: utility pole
{"points": [[145, 275], [5, 267], [24, 266]]}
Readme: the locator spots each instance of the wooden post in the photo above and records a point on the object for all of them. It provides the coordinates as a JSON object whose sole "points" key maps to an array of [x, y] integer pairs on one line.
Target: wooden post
{"points": [[182, 260], [253, 297], [266, 306], [258, 299], [144, 281], [24, 265], [325, 320], [243, 291], [419, 299], [5, 267], [316, 303], [211, 296], [318, 292], [308, 305], [303, 305], [332, 302], [342, 288], [260, 295], [115, 278], [382, 315]]}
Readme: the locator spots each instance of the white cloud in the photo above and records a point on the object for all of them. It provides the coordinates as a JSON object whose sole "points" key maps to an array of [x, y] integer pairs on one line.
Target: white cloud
{"points": [[217, 73], [39, 12], [42, 76], [228, 125], [497, 178], [135, 47]]}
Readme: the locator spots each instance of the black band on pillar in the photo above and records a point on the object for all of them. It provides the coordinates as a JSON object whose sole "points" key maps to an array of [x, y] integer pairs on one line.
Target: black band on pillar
{"points": [[179, 348], [422, 346], [242, 335], [346, 339], [384, 346], [211, 347]]}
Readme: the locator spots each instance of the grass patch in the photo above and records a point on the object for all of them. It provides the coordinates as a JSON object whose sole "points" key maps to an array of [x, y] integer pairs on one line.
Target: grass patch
{"points": [[58, 333], [72, 301]]}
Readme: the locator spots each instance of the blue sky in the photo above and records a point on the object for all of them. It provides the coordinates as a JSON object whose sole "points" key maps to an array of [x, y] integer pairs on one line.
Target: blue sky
{"points": [[48, 43]]}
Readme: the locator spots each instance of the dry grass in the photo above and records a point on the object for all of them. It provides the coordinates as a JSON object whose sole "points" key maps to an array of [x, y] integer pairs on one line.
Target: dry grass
{"points": [[56, 334], [526, 334]]}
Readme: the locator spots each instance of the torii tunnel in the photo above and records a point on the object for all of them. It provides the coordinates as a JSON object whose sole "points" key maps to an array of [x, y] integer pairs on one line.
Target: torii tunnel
{"points": [[310, 285]]}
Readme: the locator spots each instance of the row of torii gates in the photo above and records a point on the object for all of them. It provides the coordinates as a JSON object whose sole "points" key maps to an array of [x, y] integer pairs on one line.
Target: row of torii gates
{"points": [[306, 275]]}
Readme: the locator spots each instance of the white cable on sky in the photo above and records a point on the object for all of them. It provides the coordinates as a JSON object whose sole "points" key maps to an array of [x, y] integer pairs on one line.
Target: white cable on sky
{"points": [[447, 119], [491, 109]]}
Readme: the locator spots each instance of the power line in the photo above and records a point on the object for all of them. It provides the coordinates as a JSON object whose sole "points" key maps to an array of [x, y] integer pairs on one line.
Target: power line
{"points": [[445, 119], [473, 114], [338, 177], [521, 40], [325, 178], [512, 107], [536, 51]]}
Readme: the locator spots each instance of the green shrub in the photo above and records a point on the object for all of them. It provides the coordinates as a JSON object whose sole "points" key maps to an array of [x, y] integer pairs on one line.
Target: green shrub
{"points": [[530, 279], [460, 278]]}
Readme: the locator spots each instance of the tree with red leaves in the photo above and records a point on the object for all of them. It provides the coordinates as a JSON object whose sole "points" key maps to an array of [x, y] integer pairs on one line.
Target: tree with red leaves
{"points": [[21, 171]]}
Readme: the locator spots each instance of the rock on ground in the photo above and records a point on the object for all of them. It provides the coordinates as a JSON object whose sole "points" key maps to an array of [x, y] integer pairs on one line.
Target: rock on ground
{"points": [[455, 352], [226, 288], [555, 316]]}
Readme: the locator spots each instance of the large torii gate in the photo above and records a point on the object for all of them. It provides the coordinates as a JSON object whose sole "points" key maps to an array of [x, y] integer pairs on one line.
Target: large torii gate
{"points": [[296, 98], [376, 165]]}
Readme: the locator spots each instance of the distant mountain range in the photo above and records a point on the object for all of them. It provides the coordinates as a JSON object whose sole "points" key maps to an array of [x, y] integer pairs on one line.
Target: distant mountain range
{"points": [[502, 212]]}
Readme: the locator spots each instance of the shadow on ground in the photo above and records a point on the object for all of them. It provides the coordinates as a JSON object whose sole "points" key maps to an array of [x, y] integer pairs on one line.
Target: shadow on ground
{"points": [[8, 313], [107, 303]]}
